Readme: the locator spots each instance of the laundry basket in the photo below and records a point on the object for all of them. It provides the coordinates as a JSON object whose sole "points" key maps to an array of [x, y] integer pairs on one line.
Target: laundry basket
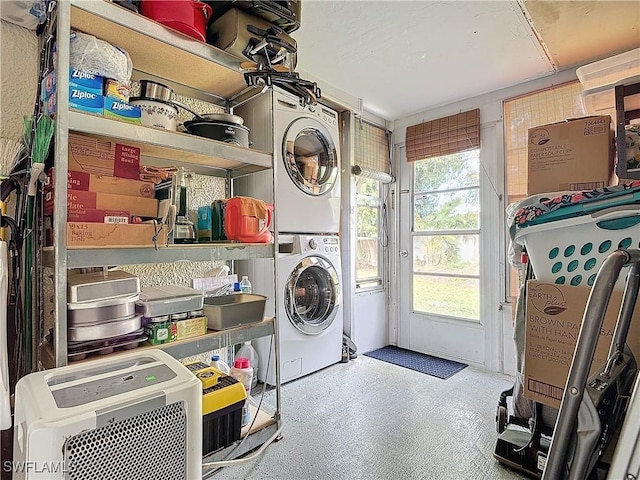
{"points": [[570, 251]]}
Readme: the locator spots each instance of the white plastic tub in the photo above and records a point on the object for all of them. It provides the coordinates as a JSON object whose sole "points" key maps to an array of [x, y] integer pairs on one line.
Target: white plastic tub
{"points": [[610, 70], [571, 251]]}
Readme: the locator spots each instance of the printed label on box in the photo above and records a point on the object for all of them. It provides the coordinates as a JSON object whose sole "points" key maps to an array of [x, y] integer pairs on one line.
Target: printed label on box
{"points": [[127, 161]]}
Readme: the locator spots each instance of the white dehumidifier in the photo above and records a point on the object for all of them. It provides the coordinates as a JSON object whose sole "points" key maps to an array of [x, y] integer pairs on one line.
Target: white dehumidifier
{"points": [[136, 415]]}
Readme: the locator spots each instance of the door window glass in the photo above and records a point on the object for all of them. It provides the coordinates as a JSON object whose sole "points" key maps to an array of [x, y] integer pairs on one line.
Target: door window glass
{"points": [[446, 232]]}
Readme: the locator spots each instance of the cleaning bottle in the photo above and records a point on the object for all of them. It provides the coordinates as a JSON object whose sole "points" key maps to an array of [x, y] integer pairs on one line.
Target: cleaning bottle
{"points": [[243, 372], [247, 351], [219, 364], [245, 285]]}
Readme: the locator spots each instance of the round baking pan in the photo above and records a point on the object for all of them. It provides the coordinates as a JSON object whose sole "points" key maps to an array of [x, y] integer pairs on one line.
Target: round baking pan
{"points": [[103, 330]]}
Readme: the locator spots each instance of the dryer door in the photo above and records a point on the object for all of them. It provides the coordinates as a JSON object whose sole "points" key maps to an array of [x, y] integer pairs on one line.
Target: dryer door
{"points": [[310, 156], [312, 295]]}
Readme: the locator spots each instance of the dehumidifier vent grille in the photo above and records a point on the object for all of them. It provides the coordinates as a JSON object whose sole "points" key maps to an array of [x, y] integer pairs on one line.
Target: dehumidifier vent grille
{"points": [[151, 445]]}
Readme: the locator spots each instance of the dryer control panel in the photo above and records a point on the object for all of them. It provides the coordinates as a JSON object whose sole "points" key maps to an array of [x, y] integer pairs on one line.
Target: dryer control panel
{"points": [[329, 245]]}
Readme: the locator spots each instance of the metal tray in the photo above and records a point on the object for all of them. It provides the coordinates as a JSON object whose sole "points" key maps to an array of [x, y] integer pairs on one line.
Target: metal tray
{"points": [[91, 287], [168, 300], [229, 311]]}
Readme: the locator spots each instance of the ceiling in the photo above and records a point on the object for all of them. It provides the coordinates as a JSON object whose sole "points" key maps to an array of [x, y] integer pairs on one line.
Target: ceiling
{"points": [[401, 57]]}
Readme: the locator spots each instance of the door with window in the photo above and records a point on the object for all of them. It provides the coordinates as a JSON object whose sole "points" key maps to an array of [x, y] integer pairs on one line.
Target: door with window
{"points": [[439, 252]]}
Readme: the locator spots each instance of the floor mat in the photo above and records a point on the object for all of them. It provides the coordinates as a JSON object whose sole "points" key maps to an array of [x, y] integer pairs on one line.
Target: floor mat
{"points": [[420, 362]]}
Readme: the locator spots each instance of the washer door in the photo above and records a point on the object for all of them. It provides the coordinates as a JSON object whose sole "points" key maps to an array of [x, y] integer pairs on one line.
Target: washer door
{"points": [[312, 295], [310, 156]]}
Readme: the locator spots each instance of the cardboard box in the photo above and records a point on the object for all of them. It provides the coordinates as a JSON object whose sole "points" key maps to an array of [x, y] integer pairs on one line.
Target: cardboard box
{"points": [[192, 327], [89, 235], [573, 155], [553, 319], [76, 199], [93, 215], [88, 182], [88, 154]]}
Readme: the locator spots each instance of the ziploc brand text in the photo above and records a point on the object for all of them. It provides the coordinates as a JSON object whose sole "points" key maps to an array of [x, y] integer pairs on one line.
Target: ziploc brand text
{"points": [[85, 80], [122, 111], [85, 100]]}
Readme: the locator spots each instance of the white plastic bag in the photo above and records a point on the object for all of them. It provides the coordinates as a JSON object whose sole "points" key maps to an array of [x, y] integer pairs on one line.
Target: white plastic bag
{"points": [[27, 14], [92, 55]]}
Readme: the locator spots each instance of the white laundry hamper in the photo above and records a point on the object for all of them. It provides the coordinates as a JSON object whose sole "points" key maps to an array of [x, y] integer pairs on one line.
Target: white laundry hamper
{"points": [[570, 251]]}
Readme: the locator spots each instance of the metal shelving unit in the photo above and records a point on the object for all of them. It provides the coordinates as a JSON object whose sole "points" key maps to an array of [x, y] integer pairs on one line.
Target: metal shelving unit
{"points": [[188, 66]]}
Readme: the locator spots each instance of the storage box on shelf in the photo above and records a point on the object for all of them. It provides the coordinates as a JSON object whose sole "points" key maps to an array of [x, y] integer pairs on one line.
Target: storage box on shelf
{"points": [[572, 155]]}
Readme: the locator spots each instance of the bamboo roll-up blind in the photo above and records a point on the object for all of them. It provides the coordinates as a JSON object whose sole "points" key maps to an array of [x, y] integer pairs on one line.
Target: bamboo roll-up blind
{"points": [[371, 149], [444, 136]]}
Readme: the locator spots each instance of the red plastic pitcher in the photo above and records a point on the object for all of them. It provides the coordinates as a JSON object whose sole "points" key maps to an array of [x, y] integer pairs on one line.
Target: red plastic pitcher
{"points": [[242, 220]]}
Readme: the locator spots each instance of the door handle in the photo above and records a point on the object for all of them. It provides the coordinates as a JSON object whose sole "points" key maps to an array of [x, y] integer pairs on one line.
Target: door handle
{"points": [[404, 253]]}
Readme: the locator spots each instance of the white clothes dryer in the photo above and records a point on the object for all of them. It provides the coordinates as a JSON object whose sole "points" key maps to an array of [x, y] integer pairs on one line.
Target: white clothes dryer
{"points": [[309, 319], [305, 141]]}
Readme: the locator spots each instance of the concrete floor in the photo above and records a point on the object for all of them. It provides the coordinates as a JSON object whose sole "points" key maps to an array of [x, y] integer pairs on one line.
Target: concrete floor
{"points": [[368, 419]]}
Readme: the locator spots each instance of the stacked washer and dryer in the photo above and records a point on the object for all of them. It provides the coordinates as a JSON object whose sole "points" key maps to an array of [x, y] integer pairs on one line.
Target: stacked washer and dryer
{"points": [[305, 142]]}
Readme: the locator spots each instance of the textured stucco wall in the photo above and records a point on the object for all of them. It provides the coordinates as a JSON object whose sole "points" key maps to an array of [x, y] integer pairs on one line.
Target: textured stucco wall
{"points": [[18, 77]]}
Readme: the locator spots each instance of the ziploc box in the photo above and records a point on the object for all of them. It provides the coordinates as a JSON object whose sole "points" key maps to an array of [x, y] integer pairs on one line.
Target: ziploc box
{"points": [[553, 319], [114, 108], [86, 81], [576, 154], [100, 157], [204, 223], [85, 100]]}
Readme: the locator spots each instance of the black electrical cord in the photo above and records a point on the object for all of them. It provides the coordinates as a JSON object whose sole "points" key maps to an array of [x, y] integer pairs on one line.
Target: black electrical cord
{"points": [[14, 303]]}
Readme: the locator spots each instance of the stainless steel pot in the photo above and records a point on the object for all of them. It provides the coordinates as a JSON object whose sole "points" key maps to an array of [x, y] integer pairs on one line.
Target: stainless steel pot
{"points": [[155, 91]]}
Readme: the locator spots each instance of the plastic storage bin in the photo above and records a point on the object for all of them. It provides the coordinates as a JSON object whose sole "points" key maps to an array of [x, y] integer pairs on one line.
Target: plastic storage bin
{"points": [[610, 70], [571, 251]]}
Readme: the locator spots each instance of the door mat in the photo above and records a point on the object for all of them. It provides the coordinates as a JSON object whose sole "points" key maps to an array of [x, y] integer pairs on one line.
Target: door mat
{"points": [[420, 362]]}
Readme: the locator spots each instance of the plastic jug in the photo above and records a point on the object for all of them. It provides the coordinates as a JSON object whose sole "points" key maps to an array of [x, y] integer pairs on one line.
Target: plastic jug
{"points": [[247, 227], [243, 372], [219, 364], [249, 352]]}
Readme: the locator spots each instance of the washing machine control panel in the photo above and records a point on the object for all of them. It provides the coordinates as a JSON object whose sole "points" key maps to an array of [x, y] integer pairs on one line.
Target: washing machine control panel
{"points": [[328, 245]]}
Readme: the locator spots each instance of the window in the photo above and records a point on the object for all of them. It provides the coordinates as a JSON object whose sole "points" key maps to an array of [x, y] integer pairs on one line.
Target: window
{"points": [[372, 165], [521, 113], [446, 231], [368, 221]]}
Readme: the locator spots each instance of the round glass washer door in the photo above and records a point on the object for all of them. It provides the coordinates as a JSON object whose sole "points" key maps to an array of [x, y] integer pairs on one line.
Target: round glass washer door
{"points": [[310, 156], [312, 295]]}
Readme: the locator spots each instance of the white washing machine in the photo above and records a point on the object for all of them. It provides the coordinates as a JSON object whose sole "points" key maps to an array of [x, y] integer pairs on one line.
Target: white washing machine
{"points": [[305, 141], [308, 292]]}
